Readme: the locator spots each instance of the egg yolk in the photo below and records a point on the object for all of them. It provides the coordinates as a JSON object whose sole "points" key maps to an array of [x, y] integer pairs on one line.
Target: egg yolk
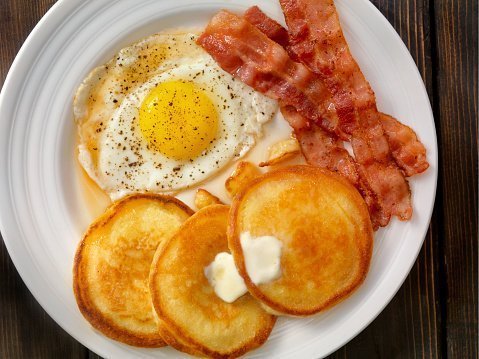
{"points": [[178, 119]]}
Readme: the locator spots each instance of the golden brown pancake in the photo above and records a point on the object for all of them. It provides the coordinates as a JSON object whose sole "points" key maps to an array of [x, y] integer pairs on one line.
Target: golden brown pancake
{"points": [[325, 230], [112, 265], [192, 317]]}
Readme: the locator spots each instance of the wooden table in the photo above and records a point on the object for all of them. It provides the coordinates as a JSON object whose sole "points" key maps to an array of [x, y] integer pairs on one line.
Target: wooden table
{"points": [[434, 314]]}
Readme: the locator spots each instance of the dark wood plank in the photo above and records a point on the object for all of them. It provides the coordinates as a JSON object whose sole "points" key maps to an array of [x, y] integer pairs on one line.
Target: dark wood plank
{"points": [[410, 326], [456, 24], [17, 19]]}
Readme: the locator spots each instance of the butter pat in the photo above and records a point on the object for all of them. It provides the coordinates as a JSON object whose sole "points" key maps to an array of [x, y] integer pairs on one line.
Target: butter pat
{"points": [[262, 257], [224, 278], [263, 263]]}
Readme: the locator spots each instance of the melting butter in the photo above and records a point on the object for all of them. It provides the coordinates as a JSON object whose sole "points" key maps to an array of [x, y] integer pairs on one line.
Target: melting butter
{"points": [[224, 278], [263, 264], [262, 257]]}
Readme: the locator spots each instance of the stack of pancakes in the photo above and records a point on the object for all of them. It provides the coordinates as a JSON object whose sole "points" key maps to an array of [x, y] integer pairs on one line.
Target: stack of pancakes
{"points": [[139, 270]]}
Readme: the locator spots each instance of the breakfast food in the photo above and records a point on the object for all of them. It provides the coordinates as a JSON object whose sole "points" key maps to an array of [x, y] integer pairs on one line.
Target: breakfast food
{"points": [[333, 42], [242, 176], [162, 115], [408, 152], [321, 149], [381, 181], [282, 151], [244, 173], [203, 198], [168, 113], [194, 319], [325, 231], [322, 94], [112, 264]]}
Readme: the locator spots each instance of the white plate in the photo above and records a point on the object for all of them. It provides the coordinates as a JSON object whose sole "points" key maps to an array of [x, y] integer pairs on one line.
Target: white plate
{"points": [[42, 203]]}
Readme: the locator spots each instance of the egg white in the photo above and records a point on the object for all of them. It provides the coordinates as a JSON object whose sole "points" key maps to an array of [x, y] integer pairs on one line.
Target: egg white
{"points": [[124, 163]]}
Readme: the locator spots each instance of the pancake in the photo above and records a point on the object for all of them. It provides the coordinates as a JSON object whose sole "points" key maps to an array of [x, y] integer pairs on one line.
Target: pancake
{"points": [[192, 317], [325, 230], [112, 265]]}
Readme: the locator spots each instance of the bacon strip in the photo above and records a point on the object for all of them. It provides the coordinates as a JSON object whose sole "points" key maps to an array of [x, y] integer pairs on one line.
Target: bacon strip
{"points": [[322, 149], [273, 30], [319, 147], [247, 53], [244, 51], [254, 15], [408, 152], [317, 40]]}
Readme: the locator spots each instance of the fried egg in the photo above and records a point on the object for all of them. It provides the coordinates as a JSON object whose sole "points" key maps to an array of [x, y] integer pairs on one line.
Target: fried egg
{"points": [[162, 116]]}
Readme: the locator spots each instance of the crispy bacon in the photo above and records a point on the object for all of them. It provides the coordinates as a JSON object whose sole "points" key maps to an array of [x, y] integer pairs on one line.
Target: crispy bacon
{"points": [[317, 40], [407, 150], [322, 149], [254, 15], [389, 188], [244, 51], [273, 30], [319, 147], [247, 53]]}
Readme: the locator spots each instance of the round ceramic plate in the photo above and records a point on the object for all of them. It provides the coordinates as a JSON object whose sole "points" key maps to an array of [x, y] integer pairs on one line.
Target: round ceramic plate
{"points": [[45, 204]]}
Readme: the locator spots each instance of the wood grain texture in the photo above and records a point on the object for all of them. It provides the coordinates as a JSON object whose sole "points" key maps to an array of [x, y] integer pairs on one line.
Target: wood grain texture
{"points": [[456, 62], [17, 19], [434, 315]]}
